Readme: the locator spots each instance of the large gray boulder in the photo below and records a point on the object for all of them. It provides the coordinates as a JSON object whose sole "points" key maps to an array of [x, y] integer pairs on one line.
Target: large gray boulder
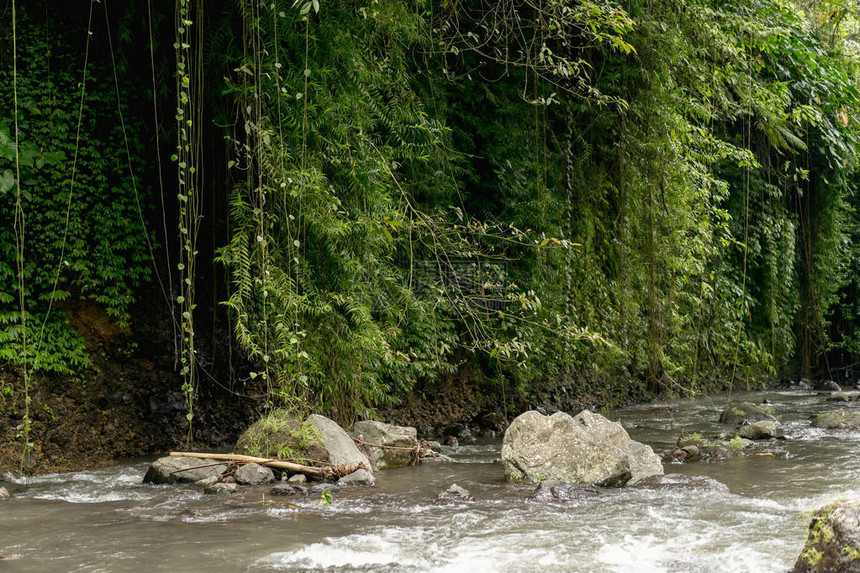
{"points": [[845, 420], [833, 542], [176, 469], [341, 450], [454, 494], [386, 435], [585, 449]]}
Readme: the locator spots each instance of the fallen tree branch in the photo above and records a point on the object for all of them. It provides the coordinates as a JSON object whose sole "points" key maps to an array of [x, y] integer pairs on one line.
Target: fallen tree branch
{"points": [[273, 463]]}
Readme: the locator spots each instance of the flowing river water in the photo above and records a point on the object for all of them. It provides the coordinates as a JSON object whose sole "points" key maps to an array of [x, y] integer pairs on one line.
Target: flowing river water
{"points": [[107, 520]]}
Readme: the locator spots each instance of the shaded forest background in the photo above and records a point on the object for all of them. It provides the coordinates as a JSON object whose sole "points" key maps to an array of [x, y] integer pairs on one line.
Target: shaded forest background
{"points": [[331, 205]]}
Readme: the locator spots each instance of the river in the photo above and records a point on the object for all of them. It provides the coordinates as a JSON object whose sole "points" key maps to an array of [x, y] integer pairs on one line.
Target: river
{"points": [[107, 520]]}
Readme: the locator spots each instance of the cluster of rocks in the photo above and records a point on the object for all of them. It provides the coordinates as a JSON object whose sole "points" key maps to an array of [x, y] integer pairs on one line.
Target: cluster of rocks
{"points": [[569, 458], [371, 447], [750, 424]]}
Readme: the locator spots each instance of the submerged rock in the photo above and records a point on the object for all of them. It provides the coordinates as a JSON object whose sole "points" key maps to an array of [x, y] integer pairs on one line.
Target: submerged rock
{"points": [[386, 435], [560, 491], [288, 489], [586, 449], [454, 494], [176, 469], [839, 397], [682, 481], [762, 430], [317, 489], [254, 474], [845, 420], [360, 477], [221, 488], [833, 542]]}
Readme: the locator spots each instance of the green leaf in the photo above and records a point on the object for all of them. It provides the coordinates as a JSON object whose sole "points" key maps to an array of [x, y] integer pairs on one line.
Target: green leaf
{"points": [[7, 181]]}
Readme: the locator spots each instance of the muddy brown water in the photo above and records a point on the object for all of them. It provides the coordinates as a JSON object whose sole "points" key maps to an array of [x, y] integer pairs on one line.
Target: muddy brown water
{"points": [[107, 520]]}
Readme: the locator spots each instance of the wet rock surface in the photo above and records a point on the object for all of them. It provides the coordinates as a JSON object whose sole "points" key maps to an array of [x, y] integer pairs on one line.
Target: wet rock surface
{"points": [[833, 540], [176, 469], [360, 477], [745, 413], [288, 489], [454, 494], [220, 488], [341, 449], [559, 491], [681, 481], [844, 420], [585, 449], [319, 488], [761, 430], [254, 474], [402, 437]]}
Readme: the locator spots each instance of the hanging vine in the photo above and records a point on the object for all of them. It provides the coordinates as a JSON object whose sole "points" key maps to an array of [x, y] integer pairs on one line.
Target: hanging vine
{"points": [[187, 158]]}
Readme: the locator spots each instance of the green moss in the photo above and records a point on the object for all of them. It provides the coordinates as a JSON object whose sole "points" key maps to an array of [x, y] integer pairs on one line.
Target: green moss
{"points": [[819, 535], [283, 435]]}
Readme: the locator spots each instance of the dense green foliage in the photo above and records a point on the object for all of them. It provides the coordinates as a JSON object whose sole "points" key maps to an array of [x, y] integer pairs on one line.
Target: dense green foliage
{"points": [[659, 194], [82, 197]]}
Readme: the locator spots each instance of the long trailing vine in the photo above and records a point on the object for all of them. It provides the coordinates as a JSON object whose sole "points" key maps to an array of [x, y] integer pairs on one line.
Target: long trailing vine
{"points": [[187, 160]]}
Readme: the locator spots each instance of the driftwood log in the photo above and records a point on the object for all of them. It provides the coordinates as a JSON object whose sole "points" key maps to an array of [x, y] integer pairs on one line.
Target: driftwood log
{"points": [[317, 472]]}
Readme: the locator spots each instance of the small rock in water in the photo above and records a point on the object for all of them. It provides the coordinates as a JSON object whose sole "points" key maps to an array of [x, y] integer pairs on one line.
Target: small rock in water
{"points": [[693, 452], [466, 436], [219, 488], [744, 413], [287, 489], [846, 420], [454, 494], [317, 489], [839, 397], [682, 481], [831, 385], [206, 482], [4, 493], [555, 490], [254, 474], [452, 442], [763, 430], [357, 478], [298, 478]]}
